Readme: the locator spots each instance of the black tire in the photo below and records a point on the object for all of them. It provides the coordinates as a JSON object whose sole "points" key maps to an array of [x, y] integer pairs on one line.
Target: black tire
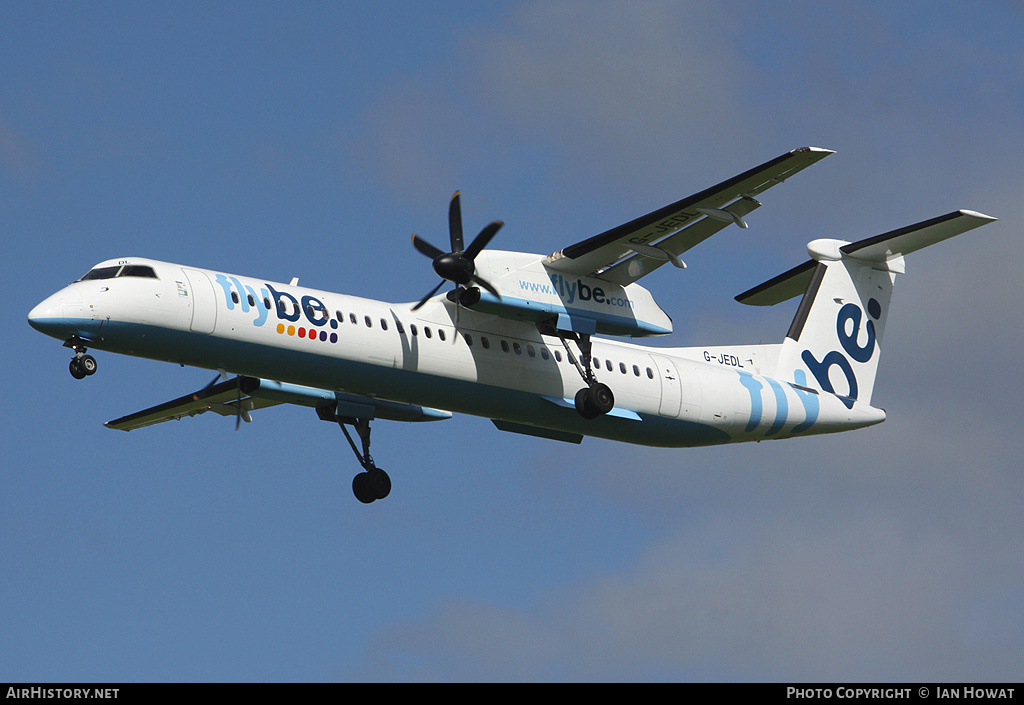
{"points": [[75, 370], [602, 398], [87, 364], [379, 483], [361, 488], [584, 405]]}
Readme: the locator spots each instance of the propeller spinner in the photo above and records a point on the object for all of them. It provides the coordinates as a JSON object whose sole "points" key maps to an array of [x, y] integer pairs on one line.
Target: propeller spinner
{"points": [[457, 266]]}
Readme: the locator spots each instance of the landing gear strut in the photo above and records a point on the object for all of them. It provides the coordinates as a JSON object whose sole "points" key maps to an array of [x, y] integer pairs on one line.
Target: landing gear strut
{"points": [[596, 398], [373, 483], [81, 365]]}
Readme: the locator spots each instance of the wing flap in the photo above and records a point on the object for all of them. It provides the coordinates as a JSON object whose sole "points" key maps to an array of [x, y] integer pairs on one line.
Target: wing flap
{"points": [[253, 393], [592, 256], [631, 269], [221, 398]]}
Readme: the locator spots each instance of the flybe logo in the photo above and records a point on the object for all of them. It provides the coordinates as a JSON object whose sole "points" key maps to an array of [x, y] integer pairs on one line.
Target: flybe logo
{"points": [[848, 327], [573, 291], [304, 317]]}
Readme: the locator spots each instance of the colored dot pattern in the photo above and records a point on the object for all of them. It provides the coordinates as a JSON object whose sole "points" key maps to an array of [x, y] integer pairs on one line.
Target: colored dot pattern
{"points": [[308, 333]]}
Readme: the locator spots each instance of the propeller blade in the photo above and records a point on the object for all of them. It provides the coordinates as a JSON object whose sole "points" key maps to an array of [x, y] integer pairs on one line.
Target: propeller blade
{"points": [[455, 223], [425, 247], [428, 296], [483, 238], [486, 285], [238, 402]]}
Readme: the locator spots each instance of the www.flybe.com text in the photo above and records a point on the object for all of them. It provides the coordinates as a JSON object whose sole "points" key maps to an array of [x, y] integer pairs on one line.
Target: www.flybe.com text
{"points": [[573, 291]]}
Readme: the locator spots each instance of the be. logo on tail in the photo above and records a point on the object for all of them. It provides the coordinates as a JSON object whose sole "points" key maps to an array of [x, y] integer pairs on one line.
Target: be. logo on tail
{"points": [[848, 327]]}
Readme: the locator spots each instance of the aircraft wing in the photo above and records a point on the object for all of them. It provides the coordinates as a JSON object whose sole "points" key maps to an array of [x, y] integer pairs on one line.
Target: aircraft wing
{"points": [[239, 396], [626, 253]]}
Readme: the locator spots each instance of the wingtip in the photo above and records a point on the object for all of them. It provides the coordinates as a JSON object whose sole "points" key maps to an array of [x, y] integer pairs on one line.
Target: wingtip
{"points": [[976, 214], [821, 150]]}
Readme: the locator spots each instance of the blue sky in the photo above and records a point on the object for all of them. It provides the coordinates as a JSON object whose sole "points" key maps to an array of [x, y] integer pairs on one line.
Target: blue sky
{"points": [[310, 140]]}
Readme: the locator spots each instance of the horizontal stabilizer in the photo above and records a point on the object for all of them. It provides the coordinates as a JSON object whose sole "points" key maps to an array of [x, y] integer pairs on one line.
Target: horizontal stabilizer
{"points": [[883, 249]]}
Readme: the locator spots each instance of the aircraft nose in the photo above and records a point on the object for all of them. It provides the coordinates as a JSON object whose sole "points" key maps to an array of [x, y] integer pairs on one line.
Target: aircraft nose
{"points": [[48, 316]]}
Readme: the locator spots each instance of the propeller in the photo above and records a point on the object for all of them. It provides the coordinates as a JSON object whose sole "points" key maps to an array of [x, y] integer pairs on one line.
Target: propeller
{"points": [[240, 414], [457, 266]]}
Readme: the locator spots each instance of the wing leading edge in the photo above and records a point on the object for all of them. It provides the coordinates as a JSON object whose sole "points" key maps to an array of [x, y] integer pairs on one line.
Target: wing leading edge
{"points": [[662, 235]]}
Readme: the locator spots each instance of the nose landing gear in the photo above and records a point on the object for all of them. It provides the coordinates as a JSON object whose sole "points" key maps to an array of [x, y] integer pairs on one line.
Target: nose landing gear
{"points": [[81, 365]]}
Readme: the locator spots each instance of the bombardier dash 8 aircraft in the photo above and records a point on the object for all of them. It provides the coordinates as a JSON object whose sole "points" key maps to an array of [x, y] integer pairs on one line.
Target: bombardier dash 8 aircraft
{"points": [[516, 339]]}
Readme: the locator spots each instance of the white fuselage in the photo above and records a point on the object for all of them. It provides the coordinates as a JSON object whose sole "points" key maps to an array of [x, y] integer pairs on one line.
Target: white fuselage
{"points": [[460, 360]]}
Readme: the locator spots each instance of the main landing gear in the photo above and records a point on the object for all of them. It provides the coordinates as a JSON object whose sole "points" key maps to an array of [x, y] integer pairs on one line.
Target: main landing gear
{"points": [[373, 483], [81, 365], [596, 399]]}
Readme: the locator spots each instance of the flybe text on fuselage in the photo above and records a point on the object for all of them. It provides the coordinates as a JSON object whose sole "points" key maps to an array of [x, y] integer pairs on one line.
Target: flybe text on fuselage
{"points": [[285, 307]]}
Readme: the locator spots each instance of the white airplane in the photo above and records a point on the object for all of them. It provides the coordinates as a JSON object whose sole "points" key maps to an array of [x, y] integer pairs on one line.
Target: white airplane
{"points": [[515, 340]]}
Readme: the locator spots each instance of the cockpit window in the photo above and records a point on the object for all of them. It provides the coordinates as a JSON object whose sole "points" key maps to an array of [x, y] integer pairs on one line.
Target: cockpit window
{"points": [[101, 273], [137, 270], [128, 270]]}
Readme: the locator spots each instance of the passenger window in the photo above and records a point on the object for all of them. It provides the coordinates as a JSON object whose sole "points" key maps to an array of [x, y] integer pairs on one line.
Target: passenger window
{"points": [[368, 322], [339, 316], [485, 342], [414, 330], [383, 324], [544, 353], [352, 318], [517, 349], [636, 371], [530, 351], [401, 328], [266, 303], [469, 339], [252, 301], [650, 373], [440, 333], [608, 365], [622, 367], [427, 332], [504, 346], [558, 355], [234, 296]]}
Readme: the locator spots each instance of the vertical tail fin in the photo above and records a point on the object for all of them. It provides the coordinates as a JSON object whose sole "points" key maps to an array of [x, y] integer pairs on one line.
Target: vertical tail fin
{"points": [[834, 342], [835, 339]]}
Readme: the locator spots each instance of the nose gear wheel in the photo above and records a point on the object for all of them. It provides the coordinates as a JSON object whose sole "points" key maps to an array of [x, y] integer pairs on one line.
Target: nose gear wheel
{"points": [[81, 365]]}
